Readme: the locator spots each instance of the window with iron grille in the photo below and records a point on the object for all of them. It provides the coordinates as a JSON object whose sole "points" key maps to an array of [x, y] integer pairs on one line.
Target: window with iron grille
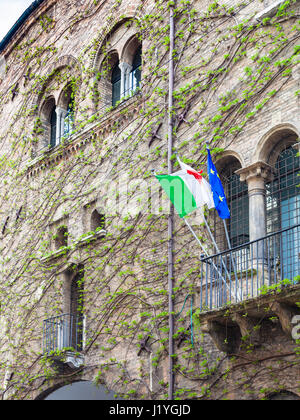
{"points": [[283, 212], [238, 203], [283, 193]]}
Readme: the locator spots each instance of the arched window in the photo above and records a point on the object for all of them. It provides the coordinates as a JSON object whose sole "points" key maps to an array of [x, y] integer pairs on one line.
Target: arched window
{"points": [[69, 120], [283, 193], [97, 221], [61, 238], [283, 212], [238, 202], [283, 396], [116, 84], [136, 73], [49, 125]]}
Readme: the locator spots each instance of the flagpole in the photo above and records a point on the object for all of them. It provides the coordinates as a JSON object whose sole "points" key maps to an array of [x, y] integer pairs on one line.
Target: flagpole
{"points": [[218, 251], [195, 236], [205, 252], [229, 244], [171, 214]]}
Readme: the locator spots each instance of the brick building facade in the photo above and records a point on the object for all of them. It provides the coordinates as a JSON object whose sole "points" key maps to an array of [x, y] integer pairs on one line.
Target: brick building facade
{"points": [[84, 269]]}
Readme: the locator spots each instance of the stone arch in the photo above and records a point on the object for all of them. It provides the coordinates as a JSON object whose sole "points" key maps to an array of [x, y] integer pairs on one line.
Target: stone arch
{"points": [[104, 36], [59, 75], [130, 48], [273, 141], [227, 157], [97, 221], [111, 48], [65, 95], [61, 237], [283, 396], [46, 108], [77, 390]]}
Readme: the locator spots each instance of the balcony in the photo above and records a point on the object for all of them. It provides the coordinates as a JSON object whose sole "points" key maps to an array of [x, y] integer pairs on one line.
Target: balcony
{"points": [[249, 285], [63, 339], [250, 270]]}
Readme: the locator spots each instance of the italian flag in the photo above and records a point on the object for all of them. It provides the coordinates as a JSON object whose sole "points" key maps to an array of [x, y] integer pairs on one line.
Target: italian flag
{"points": [[187, 190]]}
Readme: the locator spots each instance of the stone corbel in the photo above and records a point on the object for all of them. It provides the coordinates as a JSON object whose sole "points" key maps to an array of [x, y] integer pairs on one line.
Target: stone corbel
{"points": [[249, 329], [285, 314], [225, 338]]}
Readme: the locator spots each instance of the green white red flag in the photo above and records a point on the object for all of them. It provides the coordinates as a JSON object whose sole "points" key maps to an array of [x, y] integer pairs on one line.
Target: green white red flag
{"points": [[187, 190]]}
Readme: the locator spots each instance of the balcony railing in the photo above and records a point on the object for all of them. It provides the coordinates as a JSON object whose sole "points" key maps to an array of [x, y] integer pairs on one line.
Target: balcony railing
{"points": [[63, 332], [245, 271]]}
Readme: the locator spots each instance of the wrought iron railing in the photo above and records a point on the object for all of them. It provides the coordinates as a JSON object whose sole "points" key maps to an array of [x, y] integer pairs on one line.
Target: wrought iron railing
{"points": [[245, 271], [63, 332]]}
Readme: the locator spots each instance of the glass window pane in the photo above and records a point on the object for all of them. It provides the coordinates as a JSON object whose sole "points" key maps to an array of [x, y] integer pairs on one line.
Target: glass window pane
{"points": [[53, 121]]}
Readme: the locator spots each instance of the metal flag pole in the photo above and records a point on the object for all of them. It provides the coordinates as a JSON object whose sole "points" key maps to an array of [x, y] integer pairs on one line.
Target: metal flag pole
{"points": [[205, 252], [195, 236], [171, 214], [231, 256]]}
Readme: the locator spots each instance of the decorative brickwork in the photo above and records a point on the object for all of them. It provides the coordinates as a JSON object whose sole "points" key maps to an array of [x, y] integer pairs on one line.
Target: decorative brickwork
{"points": [[237, 87]]}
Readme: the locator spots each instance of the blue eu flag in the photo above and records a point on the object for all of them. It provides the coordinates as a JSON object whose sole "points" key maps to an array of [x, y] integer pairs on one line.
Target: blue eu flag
{"points": [[217, 189]]}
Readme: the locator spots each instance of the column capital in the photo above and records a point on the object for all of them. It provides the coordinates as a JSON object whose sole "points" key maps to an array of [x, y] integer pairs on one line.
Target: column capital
{"points": [[61, 112], [125, 67], [260, 170]]}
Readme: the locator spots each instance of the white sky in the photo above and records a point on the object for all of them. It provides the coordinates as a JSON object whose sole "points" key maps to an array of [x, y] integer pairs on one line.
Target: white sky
{"points": [[10, 11]]}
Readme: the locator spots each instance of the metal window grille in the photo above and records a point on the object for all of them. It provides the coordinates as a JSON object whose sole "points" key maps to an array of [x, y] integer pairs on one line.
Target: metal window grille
{"points": [[241, 273], [283, 210], [283, 193], [69, 123], [63, 332]]}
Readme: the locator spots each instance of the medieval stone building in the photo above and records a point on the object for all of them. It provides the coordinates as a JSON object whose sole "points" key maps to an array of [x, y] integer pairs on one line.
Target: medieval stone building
{"points": [[84, 116]]}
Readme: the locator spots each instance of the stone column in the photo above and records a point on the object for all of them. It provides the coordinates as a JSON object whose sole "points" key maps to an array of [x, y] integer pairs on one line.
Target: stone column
{"points": [[125, 78], [256, 176]]}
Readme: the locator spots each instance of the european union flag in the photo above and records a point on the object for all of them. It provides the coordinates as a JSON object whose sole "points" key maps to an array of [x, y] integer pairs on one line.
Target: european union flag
{"points": [[217, 189]]}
